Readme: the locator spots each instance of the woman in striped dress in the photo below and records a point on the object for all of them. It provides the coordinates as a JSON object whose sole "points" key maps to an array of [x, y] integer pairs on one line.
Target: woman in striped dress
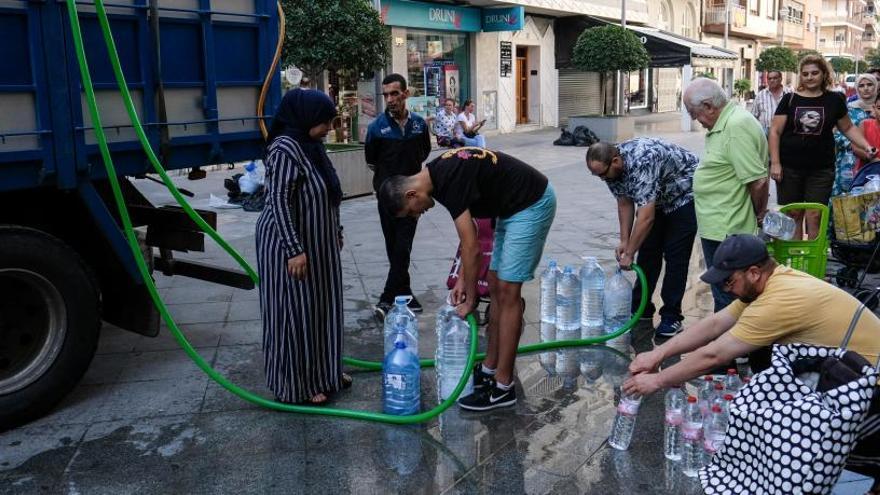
{"points": [[298, 238]]}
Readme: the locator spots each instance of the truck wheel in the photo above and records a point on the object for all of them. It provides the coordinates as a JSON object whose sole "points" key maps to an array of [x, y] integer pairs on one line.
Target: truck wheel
{"points": [[50, 319]]}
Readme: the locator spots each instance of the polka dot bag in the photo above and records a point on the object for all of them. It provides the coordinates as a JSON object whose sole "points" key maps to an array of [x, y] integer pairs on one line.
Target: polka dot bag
{"points": [[784, 437]]}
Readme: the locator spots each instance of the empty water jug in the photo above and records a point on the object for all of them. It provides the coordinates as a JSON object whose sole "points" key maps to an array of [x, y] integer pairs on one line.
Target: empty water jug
{"points": [[618, 306], [453, 345], [401, 314], [568, 301], [592, 298], [778, 225], [548, 292]]}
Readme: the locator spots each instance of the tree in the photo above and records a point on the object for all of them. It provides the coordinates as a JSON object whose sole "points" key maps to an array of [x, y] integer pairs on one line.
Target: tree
{"points": [[342, 35], [606, 49], [841, 65], [742, 86], [777, 58], [872, 57]]}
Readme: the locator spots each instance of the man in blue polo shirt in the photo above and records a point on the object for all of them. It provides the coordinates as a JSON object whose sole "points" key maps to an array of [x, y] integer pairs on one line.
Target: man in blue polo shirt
{"points": [[397, 143]]}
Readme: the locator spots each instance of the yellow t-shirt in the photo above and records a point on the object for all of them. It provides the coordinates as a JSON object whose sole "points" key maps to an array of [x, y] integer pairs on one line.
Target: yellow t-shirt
{"points": [[799, 308]]}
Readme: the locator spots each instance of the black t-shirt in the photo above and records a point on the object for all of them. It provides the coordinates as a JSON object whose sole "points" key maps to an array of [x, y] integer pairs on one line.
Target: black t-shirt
{"points": [[807, 141], [488, 183]]}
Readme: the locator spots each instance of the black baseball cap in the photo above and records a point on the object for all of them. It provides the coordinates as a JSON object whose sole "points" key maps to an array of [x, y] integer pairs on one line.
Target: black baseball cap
{"points": [[735, 253]]}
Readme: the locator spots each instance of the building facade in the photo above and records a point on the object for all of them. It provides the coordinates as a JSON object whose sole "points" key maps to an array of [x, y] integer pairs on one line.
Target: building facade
{"points": [[848, 28]]}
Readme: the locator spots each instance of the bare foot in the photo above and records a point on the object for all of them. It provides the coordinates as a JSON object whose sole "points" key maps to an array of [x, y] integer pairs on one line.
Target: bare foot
{"points": [[318, 399]]}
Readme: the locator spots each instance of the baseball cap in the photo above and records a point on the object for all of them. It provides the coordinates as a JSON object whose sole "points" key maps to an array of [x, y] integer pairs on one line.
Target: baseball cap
{"points": [[735, 253]]}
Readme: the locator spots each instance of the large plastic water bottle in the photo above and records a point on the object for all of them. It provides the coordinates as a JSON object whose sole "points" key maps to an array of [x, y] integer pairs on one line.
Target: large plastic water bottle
{"points": [[778, 225], [568, 301], [691, 438], [548, 292], [250, 180], [716, 433], [400, 381], [675, 402], [618, 304], [732, 383], [625, 421], [592, 298], [400, 314], [453, 345]]}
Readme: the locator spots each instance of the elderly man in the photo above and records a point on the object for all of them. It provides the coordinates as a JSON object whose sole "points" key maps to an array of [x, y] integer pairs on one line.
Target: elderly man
{"points": [[477, 183], [652, 181], [730, 184], [776, 304], [768, 98]]}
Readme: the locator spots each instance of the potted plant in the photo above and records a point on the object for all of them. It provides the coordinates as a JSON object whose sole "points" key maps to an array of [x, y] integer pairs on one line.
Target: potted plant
{"points": [[606, 50], [741, 87]]}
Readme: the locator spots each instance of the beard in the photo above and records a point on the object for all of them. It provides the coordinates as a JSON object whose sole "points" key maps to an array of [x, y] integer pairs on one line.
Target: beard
{"points": [[749, 294]]}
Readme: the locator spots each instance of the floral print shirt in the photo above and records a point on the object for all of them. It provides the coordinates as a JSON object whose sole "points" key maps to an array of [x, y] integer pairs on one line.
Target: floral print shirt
{"points": [[444, 123], [655, 171]]}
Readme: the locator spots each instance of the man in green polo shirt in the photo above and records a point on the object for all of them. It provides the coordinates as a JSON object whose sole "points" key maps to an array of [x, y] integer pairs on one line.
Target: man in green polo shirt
{"points": [[730, 184]]}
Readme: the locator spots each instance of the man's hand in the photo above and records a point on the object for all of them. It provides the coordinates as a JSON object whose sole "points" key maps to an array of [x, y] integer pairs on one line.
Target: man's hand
{"points": [[644, 384], [619, 250], [646, 362], [463, 299], [296, 266], [625, 261]]}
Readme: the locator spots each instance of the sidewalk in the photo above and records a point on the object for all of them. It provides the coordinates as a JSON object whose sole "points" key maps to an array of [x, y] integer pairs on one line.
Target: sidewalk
{"points": [[146, 420]]}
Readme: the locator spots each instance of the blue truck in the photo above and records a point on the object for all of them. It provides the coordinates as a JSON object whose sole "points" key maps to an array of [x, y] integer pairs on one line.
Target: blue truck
{"points": [[195, 69]]}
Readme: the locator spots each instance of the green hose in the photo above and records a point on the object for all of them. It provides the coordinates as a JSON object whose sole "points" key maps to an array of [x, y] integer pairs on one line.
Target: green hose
{"points": [[151, 287]]}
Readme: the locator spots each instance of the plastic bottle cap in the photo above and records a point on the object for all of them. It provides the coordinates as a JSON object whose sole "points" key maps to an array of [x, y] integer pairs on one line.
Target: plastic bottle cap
{"points": [[716, 408], [552, 264], [692, 399], [402, 300], [719, 386], [568, 270], [708, 378], [728, 397], [400, 344], [731, 371]]}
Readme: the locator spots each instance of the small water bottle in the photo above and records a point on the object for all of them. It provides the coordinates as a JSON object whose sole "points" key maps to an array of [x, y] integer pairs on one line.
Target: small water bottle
{"points": [[778, 225], [568, 301], [592, 298], [675, 402], [453, 345], [705, 394], [716, 433], [617, 307], [691, 438], [732, 383], [548, 292], [400, 381], [401, 314], [625, 421]]}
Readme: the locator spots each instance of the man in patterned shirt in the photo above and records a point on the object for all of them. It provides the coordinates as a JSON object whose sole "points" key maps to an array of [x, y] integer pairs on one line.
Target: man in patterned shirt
{"points": [[768, 98], [652, 181]]}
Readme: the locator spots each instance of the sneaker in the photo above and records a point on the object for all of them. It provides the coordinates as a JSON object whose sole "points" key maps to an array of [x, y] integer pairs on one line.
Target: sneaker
{"points": [[414, 305], [381, 309], [488, 399], [668, 328], [482, 380]]}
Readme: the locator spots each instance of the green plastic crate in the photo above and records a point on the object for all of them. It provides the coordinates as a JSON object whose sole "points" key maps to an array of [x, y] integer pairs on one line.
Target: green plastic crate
{"points": [[806, 256]]}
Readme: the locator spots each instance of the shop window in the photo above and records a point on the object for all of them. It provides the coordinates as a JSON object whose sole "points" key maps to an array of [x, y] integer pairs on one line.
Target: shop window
{"points": [[637, 89], [438, 67]]}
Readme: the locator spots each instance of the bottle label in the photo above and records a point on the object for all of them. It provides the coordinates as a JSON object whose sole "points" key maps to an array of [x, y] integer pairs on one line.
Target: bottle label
{"points": [[629, 408], [691, 431], [395, 381], [673, 417]]}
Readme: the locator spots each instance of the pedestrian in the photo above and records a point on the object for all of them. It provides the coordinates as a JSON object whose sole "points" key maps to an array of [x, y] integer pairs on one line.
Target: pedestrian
{"points": [[653, 183], [874, 71], [476, 183], [776, 305], [844, 153], [730, 183], [468, 128], [871, 130], [397, 143], [444, 125], [802, 142], [298, 239], [768, 98]]}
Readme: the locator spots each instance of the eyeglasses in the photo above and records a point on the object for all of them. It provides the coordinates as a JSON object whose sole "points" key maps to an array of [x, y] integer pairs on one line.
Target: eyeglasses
{"points": [[603, 174], [393, 94], [729, 281]]}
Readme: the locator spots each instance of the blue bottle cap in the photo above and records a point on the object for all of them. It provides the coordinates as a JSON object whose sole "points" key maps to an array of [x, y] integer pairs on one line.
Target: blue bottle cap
{"points": [[399, 344]]}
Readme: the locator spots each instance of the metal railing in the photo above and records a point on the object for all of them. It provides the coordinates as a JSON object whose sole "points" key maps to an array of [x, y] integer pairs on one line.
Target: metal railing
{"points": [[715, 15]]}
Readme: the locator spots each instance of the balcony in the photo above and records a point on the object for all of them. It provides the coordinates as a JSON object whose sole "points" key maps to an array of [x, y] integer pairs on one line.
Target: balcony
{"points": [[741, 23], [838, 20], [793, 31]]}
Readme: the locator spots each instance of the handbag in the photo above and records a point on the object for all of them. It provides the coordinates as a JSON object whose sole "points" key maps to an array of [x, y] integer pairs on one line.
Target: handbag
{"points": [[787, 435]]}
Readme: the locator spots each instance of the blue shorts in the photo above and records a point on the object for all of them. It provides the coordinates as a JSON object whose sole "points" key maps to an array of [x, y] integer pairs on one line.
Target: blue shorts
{"points": [[519, 239]]}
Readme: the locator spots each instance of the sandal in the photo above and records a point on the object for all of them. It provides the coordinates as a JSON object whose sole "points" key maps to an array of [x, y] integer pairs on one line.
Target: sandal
{"points": [[346, 380], [314, 401]]}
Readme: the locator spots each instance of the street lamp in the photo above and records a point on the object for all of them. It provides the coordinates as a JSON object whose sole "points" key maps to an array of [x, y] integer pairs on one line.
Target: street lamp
{"points": [[783, 15]]}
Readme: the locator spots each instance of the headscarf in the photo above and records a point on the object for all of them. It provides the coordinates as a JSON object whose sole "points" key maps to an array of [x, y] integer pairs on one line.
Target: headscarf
{"points": [[864, 104], [300, 110]]}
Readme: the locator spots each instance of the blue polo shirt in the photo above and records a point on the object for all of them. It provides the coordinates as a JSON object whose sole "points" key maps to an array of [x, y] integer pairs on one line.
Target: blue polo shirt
{"points": [[396, 151]]}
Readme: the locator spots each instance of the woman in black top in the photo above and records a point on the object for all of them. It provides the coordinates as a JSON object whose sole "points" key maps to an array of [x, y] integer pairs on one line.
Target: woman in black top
{"points": [[802, 140]]}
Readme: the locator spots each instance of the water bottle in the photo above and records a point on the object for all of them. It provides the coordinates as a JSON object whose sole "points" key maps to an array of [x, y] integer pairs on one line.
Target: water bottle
{"points": [[592, 298], [675, 402], [625, 421], [715, 399], [617, 306], [716, 433], [400, 381], [548, 292], [705, 393], [873, 184], [453, 345], [250, 180], [691, 438], [568, 301], [732, 383], [548, 358], [778, 225], [401, 314]]}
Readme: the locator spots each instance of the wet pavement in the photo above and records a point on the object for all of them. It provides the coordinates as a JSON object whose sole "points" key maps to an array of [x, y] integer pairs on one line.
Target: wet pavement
{"points": [[146, 420]]}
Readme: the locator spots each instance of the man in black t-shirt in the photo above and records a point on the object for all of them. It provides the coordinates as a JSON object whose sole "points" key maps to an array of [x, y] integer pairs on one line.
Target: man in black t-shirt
{"points": [[477, 183]]}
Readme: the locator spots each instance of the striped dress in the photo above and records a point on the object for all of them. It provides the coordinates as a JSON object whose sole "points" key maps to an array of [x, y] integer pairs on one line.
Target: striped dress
{"points": [[302, 319]]}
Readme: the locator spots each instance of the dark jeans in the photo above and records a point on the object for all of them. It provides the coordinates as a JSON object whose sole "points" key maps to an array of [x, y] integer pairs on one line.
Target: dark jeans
{"points": [[399, 233], [671, 240], [722, 299]]}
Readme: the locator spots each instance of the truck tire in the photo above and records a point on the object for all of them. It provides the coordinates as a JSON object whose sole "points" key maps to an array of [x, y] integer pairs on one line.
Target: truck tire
{"points": [[50, 319]]}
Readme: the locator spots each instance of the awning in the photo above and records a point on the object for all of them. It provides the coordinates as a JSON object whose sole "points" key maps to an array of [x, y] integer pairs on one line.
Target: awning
{"points": [[665, 49]]}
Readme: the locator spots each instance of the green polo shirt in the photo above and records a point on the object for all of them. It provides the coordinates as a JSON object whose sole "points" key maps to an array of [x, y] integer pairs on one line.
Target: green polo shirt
{"points": [[735, 155]]}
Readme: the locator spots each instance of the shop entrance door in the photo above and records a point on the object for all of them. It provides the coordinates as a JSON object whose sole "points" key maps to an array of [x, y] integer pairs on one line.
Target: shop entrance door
{"points": [[522, 85]]}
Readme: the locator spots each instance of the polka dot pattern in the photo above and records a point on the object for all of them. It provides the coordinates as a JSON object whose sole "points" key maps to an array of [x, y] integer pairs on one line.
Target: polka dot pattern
{"points": [[784, 437]]}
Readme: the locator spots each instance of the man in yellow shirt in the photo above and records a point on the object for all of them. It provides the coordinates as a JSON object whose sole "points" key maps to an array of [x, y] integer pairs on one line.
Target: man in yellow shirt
{"points": [[776, 304]]}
